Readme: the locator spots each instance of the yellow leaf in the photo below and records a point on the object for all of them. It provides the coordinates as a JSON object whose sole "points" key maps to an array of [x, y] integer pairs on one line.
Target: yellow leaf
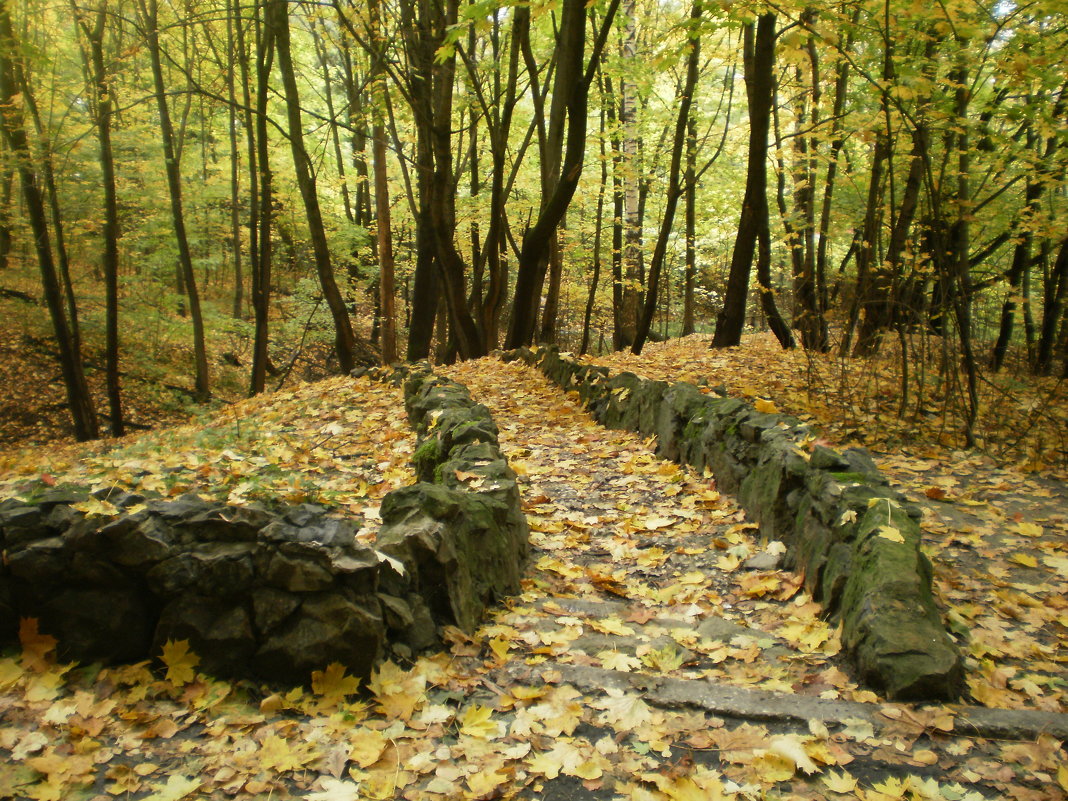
{"points": [[1024, 559], [652, 523], [176, 787], [500, 648], [333, 683], [840, 782], [483, 783], [617, 660], [367, 746], [791, 748], [35, 645], [664, 659], [1028, 529], [180, 661], [10, 673], [611, 625], [278, 756], [588, 770], [335, 790], [765, 406], [476, 721], [891, 533], [1062, 777], [1058, 563]]}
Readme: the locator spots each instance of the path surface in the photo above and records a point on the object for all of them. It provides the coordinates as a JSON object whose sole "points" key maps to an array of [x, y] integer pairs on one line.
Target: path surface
{"points": [[640, 601]]}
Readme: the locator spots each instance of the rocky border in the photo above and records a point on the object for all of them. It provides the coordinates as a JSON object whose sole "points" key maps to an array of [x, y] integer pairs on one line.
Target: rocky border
{"points": [[275, 593], [855, 540]]}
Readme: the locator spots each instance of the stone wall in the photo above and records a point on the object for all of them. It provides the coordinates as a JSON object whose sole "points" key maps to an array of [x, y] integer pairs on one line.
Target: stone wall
{"points": [[275, 593], [855, 540]]}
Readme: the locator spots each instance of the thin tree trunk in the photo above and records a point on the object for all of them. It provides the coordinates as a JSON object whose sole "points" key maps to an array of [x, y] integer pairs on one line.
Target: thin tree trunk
{"points": [[1052, 310], [94, 35], [384, 234], [12, 85], [235, 161], [172, 163], [759, 60], [344, 339], [260, 222], [674, 189], [690, 192]]}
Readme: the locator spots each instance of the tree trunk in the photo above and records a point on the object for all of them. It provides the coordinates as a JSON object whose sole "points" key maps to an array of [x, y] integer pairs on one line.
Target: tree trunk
{"points": [[631, 220], [260, 222], [674, 190], [1052, 310], [232, 21], [172, 163], [344, 339], [759, 69], [384, 235], [94, 35], [690, 192], [12, 85]]}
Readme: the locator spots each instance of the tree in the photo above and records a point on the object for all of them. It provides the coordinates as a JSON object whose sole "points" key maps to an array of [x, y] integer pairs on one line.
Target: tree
{"points": [[93, 29], [574, 93], [674, 188], [344, 339], [759, 45], [12, 86], [172, 163]]}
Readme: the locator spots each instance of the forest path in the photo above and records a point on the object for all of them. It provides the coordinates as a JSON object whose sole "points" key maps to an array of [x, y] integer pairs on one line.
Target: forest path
{"points": [[638, 564]]}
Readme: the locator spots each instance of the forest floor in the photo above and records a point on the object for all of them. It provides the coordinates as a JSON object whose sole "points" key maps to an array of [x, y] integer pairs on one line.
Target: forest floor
{"points": [[655, 653]]}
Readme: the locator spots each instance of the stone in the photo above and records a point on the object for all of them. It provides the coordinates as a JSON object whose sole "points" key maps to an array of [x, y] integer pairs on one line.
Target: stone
{"points": [[151, 541], [218, 569], [270, 607], [219, 632], [296, 570], [763, 561], [94, 624], [325, 629]]}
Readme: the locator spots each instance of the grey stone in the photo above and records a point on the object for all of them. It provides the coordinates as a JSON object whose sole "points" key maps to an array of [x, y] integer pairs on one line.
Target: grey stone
{"points": [[218, 631], [326, 629]]}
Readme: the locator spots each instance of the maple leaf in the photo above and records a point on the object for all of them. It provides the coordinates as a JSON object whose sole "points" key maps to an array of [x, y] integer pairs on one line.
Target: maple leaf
{"points": [[333, 683], [36, 646], [791, 748], [175, 788], [477, 721], [624, 711], [617, 660], [891, 533], [278, 755], [366, 746], [840, 782], [180, 661], [335, 790], [664, 659]]}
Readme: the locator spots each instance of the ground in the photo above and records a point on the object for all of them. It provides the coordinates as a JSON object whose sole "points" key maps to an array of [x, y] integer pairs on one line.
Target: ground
{"points": [[649, 656]]}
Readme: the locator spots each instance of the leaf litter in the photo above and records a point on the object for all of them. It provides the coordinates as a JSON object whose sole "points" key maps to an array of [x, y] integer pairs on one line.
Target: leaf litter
{"points": [[638, 567]]}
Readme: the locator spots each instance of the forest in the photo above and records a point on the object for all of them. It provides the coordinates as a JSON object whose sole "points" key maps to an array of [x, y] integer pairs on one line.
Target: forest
{"points": [[226, 188]]}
